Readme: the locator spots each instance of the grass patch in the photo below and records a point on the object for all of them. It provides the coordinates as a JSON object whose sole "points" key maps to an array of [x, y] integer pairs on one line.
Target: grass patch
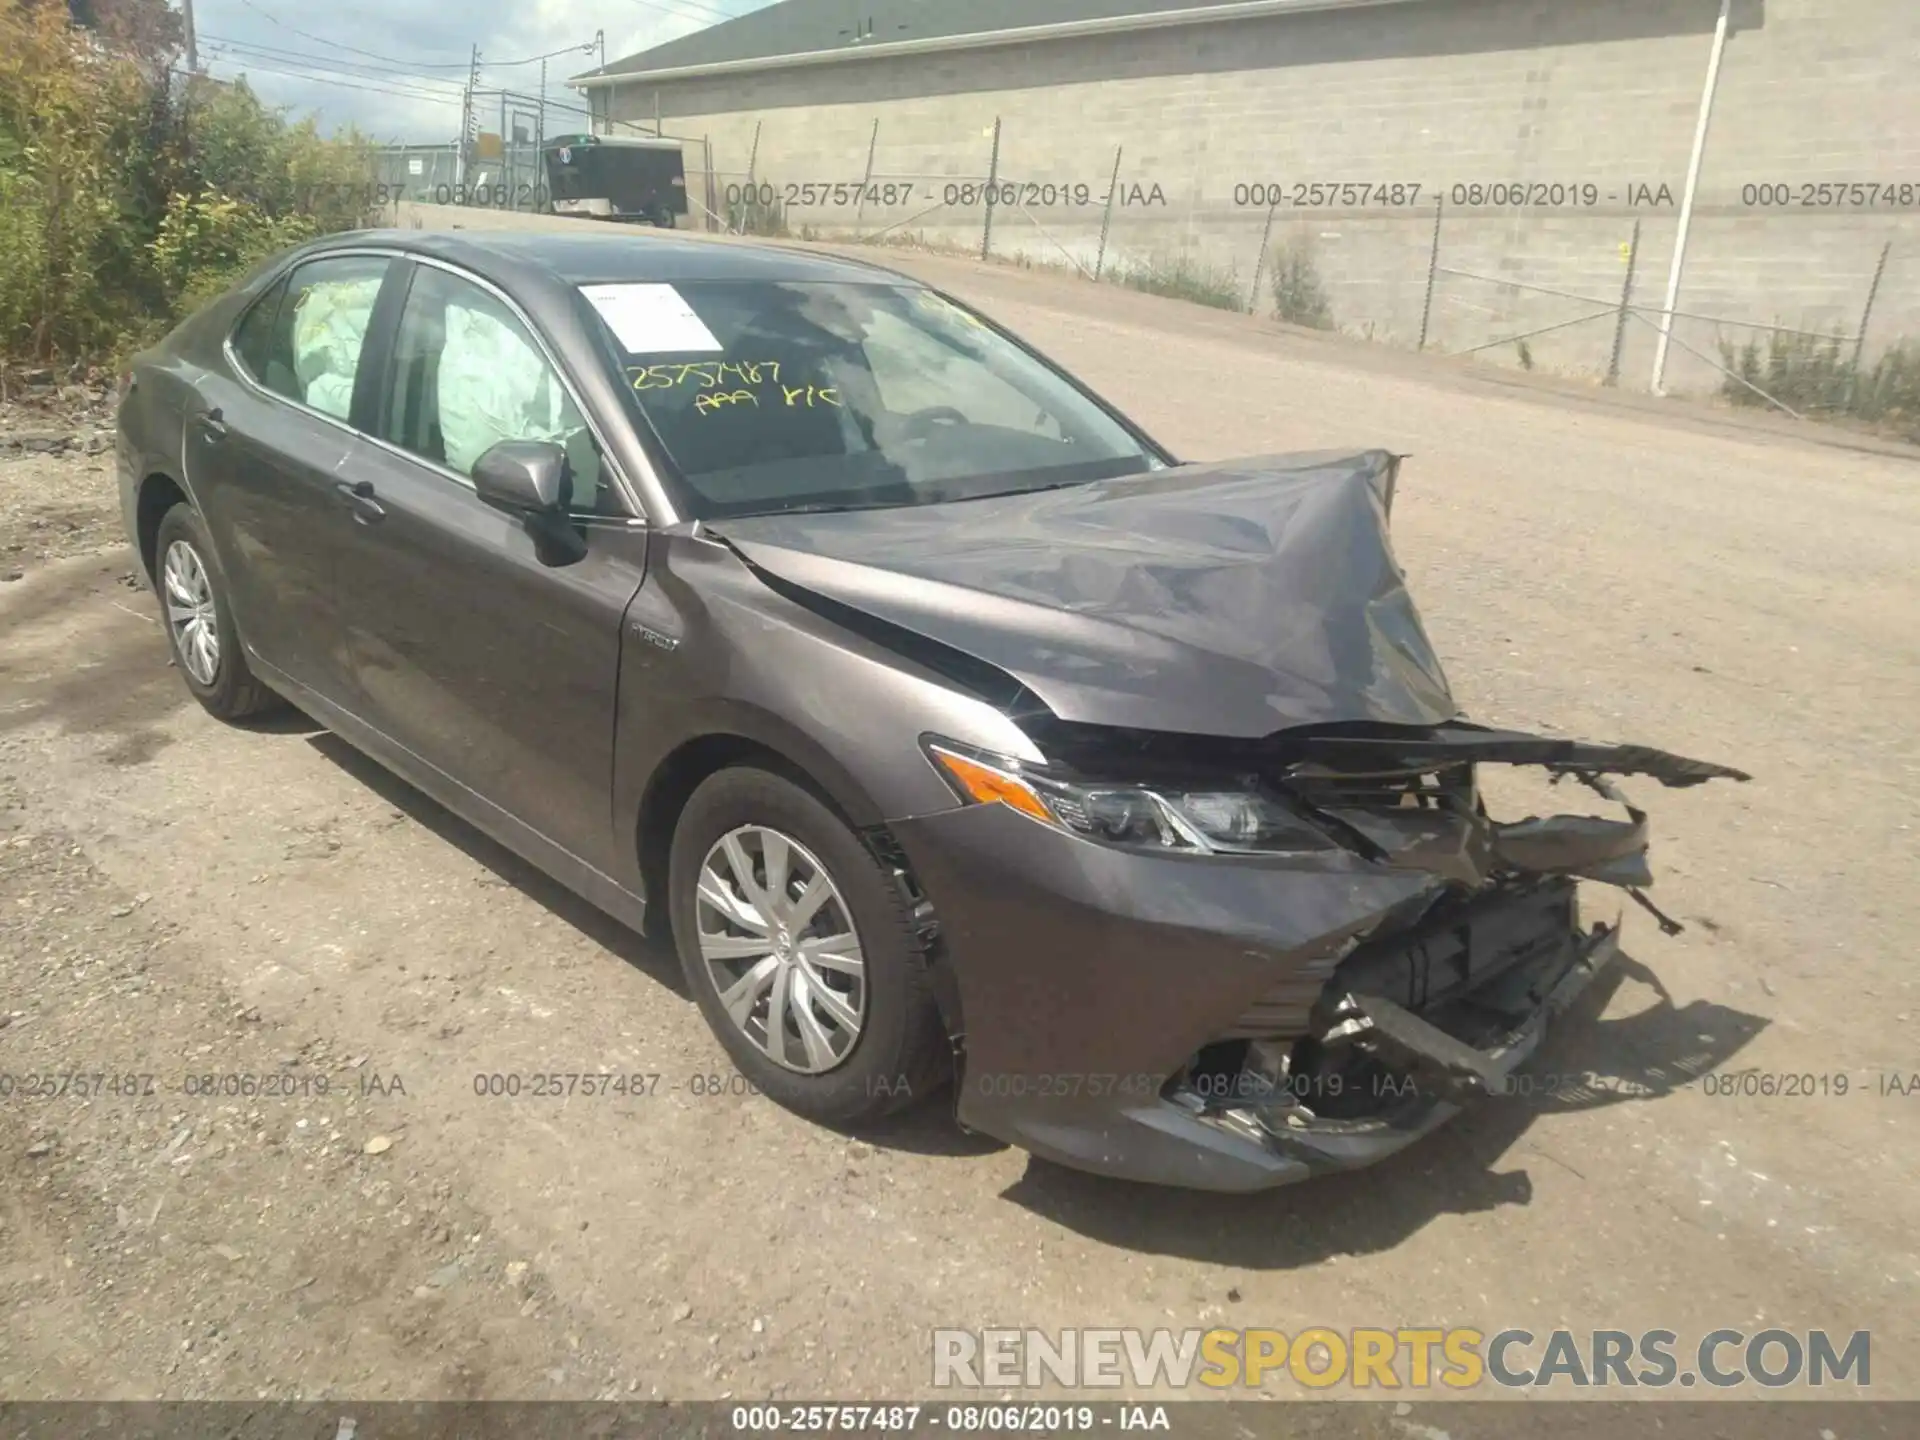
{"points": [[750, 214], [1183, 278]]}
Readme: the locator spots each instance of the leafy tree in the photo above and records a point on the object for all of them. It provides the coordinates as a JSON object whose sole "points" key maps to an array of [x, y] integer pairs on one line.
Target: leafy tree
{"points": [[128, 195]]}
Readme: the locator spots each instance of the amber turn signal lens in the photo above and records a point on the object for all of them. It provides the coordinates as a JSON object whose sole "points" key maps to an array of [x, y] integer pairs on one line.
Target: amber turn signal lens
{"points": [[988, 785]]}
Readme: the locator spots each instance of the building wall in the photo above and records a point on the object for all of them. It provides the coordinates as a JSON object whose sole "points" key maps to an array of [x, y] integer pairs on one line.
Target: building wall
{"points": [[1440, 94]]}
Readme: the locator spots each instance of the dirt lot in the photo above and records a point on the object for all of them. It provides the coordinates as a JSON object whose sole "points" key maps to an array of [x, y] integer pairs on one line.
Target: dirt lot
{"points": [[179, 898]]}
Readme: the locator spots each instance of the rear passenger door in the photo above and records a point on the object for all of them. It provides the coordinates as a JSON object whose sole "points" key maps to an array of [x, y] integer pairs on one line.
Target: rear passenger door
{"points": [[492, 667], [265, 455]]}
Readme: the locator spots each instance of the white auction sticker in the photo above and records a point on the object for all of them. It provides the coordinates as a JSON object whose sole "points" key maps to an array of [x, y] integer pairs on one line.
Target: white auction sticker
{"points": [[651, 319]]}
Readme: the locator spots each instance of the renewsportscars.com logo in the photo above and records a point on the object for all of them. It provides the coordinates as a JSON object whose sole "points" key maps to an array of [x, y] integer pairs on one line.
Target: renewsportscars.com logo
{"points": [[1320, 1358]]}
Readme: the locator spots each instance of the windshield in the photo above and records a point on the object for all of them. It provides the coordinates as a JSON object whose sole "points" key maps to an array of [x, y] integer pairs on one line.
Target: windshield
{"points": [[775, 397]]}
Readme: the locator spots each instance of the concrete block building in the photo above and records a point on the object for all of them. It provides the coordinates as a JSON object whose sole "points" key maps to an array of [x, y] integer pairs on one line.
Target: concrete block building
{"points": [[1456, 173]]}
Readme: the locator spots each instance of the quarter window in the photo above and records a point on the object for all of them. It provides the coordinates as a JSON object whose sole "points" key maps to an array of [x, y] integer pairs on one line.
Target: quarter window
{"points": [[253, 337], [467, 374]]}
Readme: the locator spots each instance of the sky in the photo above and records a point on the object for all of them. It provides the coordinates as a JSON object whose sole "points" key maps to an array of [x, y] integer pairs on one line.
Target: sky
{"points": [[396, 68]]}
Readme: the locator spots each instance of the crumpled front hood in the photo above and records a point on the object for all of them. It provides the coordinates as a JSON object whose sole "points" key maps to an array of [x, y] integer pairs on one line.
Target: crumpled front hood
{"points": [[1232, 599]]}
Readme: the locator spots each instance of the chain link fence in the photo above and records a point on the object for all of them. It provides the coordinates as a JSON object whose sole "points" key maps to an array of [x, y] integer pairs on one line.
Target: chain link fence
{"points": [[1568, 279]]}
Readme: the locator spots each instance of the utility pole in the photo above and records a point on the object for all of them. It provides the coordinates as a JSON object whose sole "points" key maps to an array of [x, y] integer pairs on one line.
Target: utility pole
{"points": [[593, 112], [193, 48], [467, 119]]}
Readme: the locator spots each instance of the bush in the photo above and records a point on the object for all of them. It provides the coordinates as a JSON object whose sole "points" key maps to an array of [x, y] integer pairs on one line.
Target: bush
{"points": [[1299, 297], [209, 240], [1806, 372], [1817, 374], [1183, 278], [128, 197]]}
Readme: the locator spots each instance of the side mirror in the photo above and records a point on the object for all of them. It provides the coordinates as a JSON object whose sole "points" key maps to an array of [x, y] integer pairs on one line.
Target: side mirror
{"points": [[525, 477]]}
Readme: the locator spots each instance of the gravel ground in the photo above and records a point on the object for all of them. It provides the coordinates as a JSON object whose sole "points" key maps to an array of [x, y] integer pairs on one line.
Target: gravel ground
{"points": [[179, 898]]}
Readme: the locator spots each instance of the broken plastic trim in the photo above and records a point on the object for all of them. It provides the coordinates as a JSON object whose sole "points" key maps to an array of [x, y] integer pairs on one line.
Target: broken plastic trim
{"points": [[1441, 1065], [1362, 749]]}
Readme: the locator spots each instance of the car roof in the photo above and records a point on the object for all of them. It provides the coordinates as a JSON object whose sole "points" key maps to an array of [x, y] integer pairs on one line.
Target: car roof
{"points": [[619, 254]]}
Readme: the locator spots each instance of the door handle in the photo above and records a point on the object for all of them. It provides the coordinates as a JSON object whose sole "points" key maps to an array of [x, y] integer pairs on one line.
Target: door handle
{"points": [[359, 494], [211, 423]]}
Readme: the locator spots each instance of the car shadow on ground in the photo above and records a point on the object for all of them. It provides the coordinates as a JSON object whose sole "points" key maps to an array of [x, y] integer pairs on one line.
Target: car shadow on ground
{"points": [[928, 1128], [1466, 1167], [651, 956]]}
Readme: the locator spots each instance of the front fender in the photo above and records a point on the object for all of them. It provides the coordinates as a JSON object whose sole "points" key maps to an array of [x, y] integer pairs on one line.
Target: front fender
{"points": [[708, 650]]}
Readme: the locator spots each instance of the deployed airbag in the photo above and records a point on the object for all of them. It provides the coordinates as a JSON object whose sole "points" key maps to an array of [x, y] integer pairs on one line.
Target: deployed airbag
{"points": [[494, 386], [329, 324]]}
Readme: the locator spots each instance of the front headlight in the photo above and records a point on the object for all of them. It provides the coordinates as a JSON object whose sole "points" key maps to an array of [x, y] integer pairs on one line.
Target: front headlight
{"points": [[1196, 821]]}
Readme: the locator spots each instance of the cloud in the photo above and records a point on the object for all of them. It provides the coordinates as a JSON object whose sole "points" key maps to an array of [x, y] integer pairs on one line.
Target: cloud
{"points": [[397, 71]]}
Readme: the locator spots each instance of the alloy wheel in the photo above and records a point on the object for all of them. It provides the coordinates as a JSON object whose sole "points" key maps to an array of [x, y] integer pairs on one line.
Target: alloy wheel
{"points": [[191, 614], [781, 949]]}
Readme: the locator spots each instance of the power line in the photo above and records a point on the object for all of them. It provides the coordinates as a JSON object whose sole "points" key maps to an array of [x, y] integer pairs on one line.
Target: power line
{"points": [[350, 67], [461, 64], [436, 97], [322, 40], [679, 10]]}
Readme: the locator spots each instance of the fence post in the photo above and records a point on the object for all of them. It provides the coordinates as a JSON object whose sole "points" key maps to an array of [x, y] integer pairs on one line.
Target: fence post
{"points": [[713, 188], [1626, 307], [993, 183], [873, 144], [1433, 271], [1106, 220], [540, 147], [1260, 261], [1866, 314]]}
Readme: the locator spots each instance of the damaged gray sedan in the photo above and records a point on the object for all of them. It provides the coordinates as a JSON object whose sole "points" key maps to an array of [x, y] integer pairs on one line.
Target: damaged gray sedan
{"points": [[956, 729]]}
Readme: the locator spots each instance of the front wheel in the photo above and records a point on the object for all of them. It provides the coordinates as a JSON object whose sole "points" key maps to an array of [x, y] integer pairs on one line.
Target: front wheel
{"points": [[801, 951], [199, 621]]}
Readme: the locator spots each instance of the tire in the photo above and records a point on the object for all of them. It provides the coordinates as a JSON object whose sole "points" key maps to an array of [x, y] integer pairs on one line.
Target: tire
{"points": [[230, 690], [899, 1053]]}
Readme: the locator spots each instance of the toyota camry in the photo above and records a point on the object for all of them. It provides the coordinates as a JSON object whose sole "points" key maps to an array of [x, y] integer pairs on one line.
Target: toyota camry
{"points": [[955, 730]]}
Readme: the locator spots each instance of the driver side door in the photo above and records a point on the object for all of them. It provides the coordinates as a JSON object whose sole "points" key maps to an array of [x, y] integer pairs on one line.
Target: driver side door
{"points": [[494, 668]]}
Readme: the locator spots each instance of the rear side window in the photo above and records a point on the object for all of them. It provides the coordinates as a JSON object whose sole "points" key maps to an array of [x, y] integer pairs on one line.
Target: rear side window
{"points": [[312, 355], [253, 338]]}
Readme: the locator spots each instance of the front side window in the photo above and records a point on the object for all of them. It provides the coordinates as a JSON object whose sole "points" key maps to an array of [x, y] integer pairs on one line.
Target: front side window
{"points": [[782, 396], [314, 354], [467, 374]]}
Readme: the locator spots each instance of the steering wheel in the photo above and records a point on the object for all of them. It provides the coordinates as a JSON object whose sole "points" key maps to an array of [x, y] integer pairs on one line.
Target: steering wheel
{"points": [[920, 424]]}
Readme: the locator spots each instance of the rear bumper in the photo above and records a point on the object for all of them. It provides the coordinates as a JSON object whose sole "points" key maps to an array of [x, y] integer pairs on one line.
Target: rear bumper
{"points": [[1084, 980]]}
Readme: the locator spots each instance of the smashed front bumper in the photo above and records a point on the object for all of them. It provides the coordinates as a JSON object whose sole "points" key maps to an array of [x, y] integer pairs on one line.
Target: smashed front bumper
{"points": [[1381, 1071], [1240, 1022]]}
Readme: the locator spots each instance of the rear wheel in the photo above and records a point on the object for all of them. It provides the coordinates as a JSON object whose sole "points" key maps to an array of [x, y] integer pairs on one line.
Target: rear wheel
{"points": [[199, 621], [801, 951]]}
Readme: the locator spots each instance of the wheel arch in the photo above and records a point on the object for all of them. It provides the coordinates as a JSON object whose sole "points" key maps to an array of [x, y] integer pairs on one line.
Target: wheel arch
{"points": [[744, 737], [158, 493]]}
